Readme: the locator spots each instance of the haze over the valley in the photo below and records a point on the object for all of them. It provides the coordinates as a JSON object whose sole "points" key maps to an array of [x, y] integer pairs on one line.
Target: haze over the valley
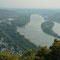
{"points": [[29, 3]]}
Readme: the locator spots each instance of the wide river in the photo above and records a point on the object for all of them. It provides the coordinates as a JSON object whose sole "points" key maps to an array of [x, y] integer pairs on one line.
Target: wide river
{"points": [[34, 33]]}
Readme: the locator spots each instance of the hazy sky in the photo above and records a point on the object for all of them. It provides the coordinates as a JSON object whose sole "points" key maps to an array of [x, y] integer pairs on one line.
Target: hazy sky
{"points": [[29, 3]]}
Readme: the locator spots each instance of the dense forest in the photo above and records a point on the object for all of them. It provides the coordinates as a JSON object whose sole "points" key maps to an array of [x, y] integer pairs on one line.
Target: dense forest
{"points": [[44, 53]]}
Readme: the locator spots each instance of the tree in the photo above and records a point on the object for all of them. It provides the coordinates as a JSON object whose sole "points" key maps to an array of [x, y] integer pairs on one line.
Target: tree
{"points": [[55, 50]]}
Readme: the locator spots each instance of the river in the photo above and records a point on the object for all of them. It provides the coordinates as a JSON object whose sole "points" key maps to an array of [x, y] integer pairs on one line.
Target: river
{"points": [[56, 28], [34, 33]]}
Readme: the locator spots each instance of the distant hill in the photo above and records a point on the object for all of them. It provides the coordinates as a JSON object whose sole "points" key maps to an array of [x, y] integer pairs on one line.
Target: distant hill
{"points": [[55, 17]]}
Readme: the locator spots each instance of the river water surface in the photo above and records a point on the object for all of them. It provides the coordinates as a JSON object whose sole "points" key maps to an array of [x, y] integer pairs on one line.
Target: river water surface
{"points": [[56, 28], [34, 33]]}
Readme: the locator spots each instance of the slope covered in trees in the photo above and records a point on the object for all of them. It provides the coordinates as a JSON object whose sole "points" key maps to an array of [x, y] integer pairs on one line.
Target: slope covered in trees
{"points": [[11, 40], [51, 53]]}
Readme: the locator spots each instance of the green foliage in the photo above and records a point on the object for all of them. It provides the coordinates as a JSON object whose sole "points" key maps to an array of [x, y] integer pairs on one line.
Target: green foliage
{"points": [[53, 53], [55, 50], [6, 56]]}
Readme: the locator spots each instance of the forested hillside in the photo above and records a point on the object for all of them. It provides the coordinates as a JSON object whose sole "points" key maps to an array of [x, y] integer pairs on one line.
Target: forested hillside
{"points": [[51, 53], [11, 40]]}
